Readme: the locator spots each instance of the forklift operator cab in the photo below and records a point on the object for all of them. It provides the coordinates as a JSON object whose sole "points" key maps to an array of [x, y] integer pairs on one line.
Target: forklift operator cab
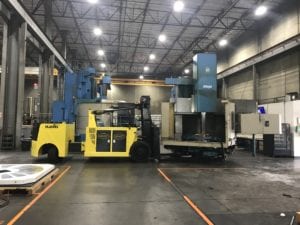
{"points": [[102, 141]]}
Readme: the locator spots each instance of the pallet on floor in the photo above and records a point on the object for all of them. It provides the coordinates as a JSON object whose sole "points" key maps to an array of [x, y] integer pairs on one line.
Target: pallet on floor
{"points": [[32, 188], [297, 218]]}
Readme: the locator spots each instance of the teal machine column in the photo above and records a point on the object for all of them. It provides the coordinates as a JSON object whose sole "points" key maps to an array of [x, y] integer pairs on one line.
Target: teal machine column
{"points": [[205, 86]]}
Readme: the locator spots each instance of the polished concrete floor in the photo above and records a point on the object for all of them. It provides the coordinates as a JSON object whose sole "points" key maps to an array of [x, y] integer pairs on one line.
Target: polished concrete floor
{"points": [[242, 190]]}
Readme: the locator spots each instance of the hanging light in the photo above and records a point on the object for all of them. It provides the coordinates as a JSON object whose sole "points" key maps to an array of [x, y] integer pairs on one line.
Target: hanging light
{"points": [[223, 42], [93, 1], [186, 71], [162, 38], [100, 52], [97, 31], [178, 6], [152, 56], [260, 10]]}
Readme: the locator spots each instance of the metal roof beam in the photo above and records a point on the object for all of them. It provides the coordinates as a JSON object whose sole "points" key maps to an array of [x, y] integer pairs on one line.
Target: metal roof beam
{"points": [[229, 28], [181, 33], [161, 30], [125, 45], [38, 5], [140, 22], [206, 31], [140, 32], [122, 62], [80, 33], [120, 38], [38, 31]]}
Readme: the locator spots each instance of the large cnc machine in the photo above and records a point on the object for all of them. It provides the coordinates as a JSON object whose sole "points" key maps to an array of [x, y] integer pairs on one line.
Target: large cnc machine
{"points": [[195, 121]]}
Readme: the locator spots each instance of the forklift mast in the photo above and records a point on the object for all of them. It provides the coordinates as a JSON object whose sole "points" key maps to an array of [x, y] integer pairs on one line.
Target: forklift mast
{"points": [[146, 122], [150, 132]]}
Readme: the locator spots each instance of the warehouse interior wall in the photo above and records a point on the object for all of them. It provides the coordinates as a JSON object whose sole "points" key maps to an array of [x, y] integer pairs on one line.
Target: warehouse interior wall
{"points": [[279, 77], [275, 77], [240, 86], [272, 30], [128, 93]]}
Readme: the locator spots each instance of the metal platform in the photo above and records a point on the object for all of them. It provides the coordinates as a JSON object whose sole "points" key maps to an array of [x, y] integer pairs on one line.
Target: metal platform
{"points": [[199, 144]]}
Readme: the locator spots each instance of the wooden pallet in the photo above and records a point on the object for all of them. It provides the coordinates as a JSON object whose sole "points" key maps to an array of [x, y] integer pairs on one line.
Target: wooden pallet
{"points": [[297, 218], [32, 188]]}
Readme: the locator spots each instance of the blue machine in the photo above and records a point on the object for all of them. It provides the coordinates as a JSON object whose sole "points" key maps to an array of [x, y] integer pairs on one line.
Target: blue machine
{"points": [[183, 87], [202, 87], [104, 86], [86, 84], [205, 86], [79, 87]]}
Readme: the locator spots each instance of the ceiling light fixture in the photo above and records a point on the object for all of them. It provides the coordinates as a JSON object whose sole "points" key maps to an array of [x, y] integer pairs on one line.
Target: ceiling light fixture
{"points": [[141, 77], [178, 6], [162, 38], [186, 71], [260, 10], [103, 65], [146, 68], [152, 56], [93, 1], [223, 42], [100, 52], [97, 31]]}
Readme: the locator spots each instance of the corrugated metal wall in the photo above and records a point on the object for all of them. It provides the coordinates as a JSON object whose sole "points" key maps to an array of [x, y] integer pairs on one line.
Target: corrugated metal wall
{"points": [[240, 85], [276, 78], [268, 34]]}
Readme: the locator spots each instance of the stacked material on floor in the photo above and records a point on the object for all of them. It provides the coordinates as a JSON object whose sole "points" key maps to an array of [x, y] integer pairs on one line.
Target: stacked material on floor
{"points": [[23, 174]]}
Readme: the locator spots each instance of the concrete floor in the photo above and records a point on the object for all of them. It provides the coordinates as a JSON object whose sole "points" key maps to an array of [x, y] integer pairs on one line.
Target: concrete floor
{"points": [[243, 190]]}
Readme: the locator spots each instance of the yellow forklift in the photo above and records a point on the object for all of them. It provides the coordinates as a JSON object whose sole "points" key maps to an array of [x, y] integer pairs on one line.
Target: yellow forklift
{"points": [[120, 139]]}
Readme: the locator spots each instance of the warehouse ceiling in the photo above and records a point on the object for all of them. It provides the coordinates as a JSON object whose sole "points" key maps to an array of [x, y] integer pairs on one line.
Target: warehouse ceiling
{"points": [[130, 31]]}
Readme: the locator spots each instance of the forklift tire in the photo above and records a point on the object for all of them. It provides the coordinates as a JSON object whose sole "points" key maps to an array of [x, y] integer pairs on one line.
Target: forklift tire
{"points": [[222, 155], [53, 155], [140, 151]]}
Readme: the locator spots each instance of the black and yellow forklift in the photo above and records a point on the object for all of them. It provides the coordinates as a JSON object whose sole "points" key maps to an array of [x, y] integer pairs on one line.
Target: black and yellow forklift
{"points": [[122, 138]]}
